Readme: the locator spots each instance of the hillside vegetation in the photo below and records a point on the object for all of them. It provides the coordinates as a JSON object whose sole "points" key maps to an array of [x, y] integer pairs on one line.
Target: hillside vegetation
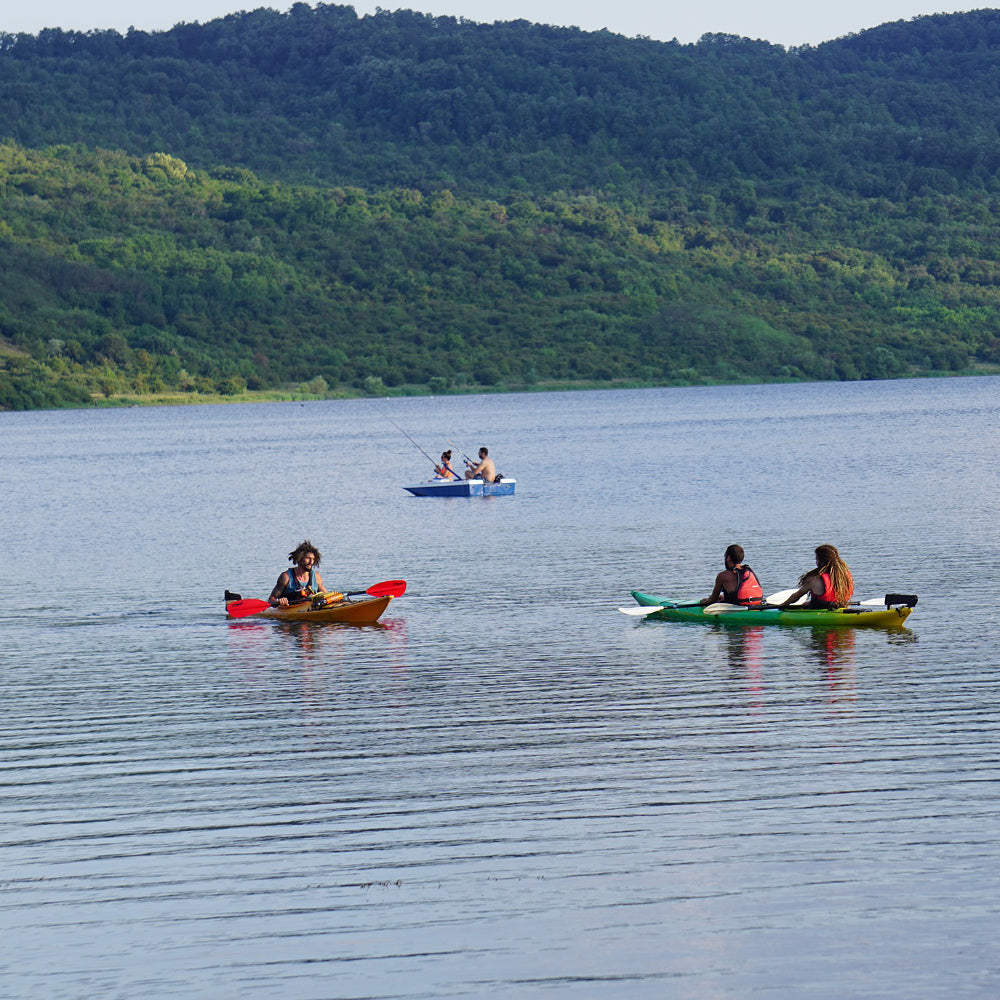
{"points": [[410, 203]]}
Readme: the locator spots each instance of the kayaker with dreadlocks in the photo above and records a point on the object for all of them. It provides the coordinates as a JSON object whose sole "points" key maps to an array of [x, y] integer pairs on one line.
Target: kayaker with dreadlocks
{"points": [[829, 585], [736, 584], [297, 585]]}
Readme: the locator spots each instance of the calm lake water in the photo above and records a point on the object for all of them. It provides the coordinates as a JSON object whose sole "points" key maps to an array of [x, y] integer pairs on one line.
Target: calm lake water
{"points": [[509, 789]]}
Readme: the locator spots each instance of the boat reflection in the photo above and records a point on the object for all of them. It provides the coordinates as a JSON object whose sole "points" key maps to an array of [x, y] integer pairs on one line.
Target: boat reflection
{"points": [[902, 636], [754, 652], [836, 652], [324, 657], [745, 654]]}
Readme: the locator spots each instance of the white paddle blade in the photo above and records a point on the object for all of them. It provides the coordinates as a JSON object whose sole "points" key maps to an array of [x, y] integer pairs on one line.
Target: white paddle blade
{"points": [[718, 609], [641, 612], [873, 602], [782, 595]]}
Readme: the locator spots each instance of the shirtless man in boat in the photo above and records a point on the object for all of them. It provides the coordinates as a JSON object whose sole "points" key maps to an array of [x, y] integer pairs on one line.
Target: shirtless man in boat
{"points": [[485, 470]]}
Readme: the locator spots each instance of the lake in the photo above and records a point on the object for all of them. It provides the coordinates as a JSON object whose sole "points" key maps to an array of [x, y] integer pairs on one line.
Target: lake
{"points": [[508, 788]]}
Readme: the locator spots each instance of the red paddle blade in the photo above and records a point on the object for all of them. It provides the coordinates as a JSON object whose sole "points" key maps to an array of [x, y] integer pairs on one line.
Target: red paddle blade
{"points": [[387, 588], [248, 606]]}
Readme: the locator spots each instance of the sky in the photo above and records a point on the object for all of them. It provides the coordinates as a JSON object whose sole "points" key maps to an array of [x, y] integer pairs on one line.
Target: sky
{"points": [[784, 22]]}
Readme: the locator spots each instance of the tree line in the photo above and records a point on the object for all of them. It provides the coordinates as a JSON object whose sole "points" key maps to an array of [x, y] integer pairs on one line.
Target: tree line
{"points": [[407, 99], [411, 203]]}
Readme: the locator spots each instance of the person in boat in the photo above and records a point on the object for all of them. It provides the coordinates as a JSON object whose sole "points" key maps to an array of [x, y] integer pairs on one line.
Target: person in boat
{"points": [[298, 584], [484, 470], [736, 584], [444, 470], [830, 585]]}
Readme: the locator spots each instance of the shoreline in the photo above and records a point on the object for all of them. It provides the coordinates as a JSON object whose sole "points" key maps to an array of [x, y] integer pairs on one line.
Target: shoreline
{"points": [[291, 396], [178, 398]]}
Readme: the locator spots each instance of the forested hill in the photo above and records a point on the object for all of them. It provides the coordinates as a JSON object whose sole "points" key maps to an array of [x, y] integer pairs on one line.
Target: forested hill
{"points": [[422, 202], [413, 100]]}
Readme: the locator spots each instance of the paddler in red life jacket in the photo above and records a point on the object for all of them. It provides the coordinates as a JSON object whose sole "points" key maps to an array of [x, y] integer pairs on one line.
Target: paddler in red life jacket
{"points": [[736, 584], [295, 586], [829, 585]]}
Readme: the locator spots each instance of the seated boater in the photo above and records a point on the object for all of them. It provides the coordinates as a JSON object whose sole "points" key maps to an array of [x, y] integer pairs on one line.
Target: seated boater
{"points": [[485, 470], [736, 584]]}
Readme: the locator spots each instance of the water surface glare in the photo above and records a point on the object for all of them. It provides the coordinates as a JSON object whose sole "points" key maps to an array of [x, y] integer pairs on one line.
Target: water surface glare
{"points": [[507, 788]]}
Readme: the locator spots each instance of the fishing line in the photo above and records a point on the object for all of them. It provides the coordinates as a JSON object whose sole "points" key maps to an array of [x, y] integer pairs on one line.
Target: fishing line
{"points": [[468, 461], [407, 436]]}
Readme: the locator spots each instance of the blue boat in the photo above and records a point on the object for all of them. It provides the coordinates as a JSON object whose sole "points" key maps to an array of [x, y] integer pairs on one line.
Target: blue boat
{"points": [[463, 488]]}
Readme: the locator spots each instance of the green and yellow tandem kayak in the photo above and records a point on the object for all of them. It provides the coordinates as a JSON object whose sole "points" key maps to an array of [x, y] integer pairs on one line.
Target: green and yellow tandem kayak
{"points": [[895, 612]]}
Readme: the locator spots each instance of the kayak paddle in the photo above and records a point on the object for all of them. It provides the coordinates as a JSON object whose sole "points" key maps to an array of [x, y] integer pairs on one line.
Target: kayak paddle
{"points": [[873, 602], [387, 588], [651, 609], [907, 600], [247, 606], [251, 606], [783, 595], [711, 609]]}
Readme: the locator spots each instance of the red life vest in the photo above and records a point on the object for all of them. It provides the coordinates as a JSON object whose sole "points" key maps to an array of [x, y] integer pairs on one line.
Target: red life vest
{"points": [[828, 597], [748, 590]]}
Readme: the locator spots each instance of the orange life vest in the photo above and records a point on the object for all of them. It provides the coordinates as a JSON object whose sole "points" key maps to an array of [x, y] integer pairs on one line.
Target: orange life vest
{"points": [[828, 598], [748, 590]]}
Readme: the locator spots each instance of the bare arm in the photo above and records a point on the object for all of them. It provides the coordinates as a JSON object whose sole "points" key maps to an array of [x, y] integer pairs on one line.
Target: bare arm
{"points": [[275, 600], [719, 591], [801, 592], [814, 586]]}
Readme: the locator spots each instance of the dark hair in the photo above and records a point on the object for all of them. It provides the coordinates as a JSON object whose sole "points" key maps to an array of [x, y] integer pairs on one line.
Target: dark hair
{"points": [[301, 549], [735, 552], [484, 451], [446, 455]]}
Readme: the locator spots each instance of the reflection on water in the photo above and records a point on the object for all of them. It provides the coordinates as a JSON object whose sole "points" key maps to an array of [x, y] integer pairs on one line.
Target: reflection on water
{"points": [[758, 656], [319, 662], [836, 653], [746, 660]]}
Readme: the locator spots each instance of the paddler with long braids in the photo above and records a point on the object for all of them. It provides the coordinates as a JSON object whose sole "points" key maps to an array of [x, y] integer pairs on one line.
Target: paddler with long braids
{"points": [[829, 585]]}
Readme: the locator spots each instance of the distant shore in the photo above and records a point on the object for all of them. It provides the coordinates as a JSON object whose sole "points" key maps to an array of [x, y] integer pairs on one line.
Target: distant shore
{"points": [[294, 396]]}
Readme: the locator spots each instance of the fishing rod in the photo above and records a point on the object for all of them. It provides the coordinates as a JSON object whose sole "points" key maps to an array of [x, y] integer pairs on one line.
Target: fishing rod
{"points": [[468, 461], [408, 438]]}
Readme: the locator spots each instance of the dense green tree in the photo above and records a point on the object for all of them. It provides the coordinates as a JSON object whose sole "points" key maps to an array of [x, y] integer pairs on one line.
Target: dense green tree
{"points": [[407, 201]]}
